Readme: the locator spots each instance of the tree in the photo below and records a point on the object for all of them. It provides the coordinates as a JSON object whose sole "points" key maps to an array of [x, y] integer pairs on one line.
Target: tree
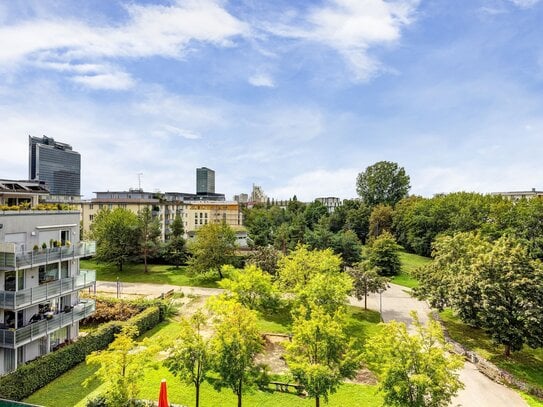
{"points": [[259, 226], [297, 269], [120, 366], [414, 370], [382, 183], [214, 245], [366, 280], [251, 287], [382, 255], [149, 233], [235, 344], [327, 291], [320, 355], [380, 220], [190, 353], [174, 247], [265, 258], [314, 212], [347, 245], [117, 234]]}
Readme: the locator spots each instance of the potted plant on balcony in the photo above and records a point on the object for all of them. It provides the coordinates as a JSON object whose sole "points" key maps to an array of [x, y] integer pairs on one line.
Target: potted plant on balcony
{"points": [[44, 246]]}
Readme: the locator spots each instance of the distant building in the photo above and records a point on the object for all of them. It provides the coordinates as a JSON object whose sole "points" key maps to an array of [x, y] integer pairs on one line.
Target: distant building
{"points": [[57, 165], [205, 181], [331, 202], [241, 198], [40, 276], [257, 195], [517, 195]]}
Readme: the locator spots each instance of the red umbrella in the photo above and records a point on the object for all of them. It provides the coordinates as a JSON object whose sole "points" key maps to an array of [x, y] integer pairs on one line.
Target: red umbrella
{"points": [[163, 395]]}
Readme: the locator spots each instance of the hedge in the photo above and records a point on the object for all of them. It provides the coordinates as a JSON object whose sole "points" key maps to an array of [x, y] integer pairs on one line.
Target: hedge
{"points": [[37, 373]]}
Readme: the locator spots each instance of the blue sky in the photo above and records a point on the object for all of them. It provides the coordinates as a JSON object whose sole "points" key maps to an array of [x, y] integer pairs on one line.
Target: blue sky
{"points": [[295, 96]]}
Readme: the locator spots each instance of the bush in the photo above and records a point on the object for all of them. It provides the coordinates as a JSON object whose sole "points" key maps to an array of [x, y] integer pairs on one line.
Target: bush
{"points": [[33, 375]]}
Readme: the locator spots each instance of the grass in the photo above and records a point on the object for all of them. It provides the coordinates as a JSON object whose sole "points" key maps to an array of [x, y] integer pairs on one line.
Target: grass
{"points": [[526, 365], [410, 262], [68, 391], [157, 274]]}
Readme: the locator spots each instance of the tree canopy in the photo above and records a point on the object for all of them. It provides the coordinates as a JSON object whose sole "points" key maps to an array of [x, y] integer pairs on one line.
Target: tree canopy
{"points": [[382, 183]]}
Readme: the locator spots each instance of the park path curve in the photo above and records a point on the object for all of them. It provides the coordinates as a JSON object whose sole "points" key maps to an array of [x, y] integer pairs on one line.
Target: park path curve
{"points": [[479, 390], [396, 304]]}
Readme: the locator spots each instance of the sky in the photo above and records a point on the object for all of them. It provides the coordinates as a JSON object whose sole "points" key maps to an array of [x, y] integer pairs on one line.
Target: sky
{"points": [[295, 96]]}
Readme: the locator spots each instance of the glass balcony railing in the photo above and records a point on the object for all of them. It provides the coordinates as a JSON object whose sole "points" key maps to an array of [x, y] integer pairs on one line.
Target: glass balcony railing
{"points": [[11, 259], [13, 338], [14, 300]]}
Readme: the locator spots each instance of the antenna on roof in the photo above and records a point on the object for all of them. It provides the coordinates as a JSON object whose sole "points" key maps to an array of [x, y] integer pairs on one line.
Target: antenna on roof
{"points": [[139, 180]]}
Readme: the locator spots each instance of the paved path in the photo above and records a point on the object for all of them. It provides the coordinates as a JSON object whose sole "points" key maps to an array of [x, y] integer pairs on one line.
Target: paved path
{"points": [[479, 390], [396, 304]]}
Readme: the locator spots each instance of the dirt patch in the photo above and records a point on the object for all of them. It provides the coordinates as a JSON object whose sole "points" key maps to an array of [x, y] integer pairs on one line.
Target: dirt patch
{"points": [[363, 376], [273, 354]]}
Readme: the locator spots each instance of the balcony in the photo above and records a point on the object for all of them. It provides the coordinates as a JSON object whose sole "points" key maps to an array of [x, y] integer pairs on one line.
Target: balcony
{"points": [[10, 259], [14, 300], [13, 338]]}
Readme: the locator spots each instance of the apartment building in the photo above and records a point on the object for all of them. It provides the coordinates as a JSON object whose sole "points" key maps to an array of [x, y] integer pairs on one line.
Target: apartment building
{"points": [[40, 277], [518, 195], [331, 202]]}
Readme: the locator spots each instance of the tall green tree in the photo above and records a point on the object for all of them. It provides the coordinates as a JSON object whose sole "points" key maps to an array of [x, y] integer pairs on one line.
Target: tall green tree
{"points": [[213, 246], [328, 292], [235, 344], [347, 245], [414, 370], [175, 247], [320, 356], [380, 220], [189, 356], [117, 235], [149, 234], [266, 258], [366, 280], [383, 256], [382, 183]]}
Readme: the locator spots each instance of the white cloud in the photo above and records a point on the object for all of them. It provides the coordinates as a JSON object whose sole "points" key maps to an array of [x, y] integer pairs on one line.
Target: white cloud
{"points": [[261, 80], [176, 131], [352, 27], [113, 81], [525, 3], [149, 31]]}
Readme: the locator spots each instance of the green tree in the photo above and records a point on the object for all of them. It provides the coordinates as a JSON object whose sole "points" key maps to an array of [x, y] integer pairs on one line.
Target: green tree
{"points": [[119, 366], [382, 183], [314, 212], [251, 287], [213, 246], [414, 370], [149, 234], [347, 245], [117, 234], [320, 356], [382, 255], [235, 344], [175, 246], [326, 291], [366, 280], [266, 258], [259, 226], [189, 356], [380, 220], [281, 237], [297, 269]]}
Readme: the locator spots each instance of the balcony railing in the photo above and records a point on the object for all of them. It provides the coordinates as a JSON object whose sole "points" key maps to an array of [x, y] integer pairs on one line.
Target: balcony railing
{"points": [[13, 338], [14, 300], [10, 259]]}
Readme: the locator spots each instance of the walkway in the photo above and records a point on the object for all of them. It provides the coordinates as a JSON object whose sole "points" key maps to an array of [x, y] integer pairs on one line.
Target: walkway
{"points": [[396, 305]]}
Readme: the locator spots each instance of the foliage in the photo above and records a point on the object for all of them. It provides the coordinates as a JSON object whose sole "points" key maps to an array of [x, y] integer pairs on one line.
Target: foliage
{"points": [[296, 269], [108, 309], [234, 346], [366, 280], [328, 292], [380, 220], [266, 258], [149, 233], [414, 370], [319, 355], [117, 234], [214, 246], [174, 249], [190, 353], [347, 245], [119, 367], [496, 286], [383, 255], [251, 287], [382, 183]]}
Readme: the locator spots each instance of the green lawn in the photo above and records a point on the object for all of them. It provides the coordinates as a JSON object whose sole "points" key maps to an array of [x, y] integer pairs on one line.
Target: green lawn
{"points": [[157, 274], [526, 364], [410, 262], [68, 391]]}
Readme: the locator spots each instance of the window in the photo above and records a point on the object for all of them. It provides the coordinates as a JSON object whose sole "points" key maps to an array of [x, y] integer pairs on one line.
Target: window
{"points": [[9, 360], [91, 217], [100, 206], [91, 206]]}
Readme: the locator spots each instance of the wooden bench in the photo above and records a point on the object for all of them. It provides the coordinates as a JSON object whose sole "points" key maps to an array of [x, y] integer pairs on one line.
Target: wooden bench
{"points": [[284, 387]]}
